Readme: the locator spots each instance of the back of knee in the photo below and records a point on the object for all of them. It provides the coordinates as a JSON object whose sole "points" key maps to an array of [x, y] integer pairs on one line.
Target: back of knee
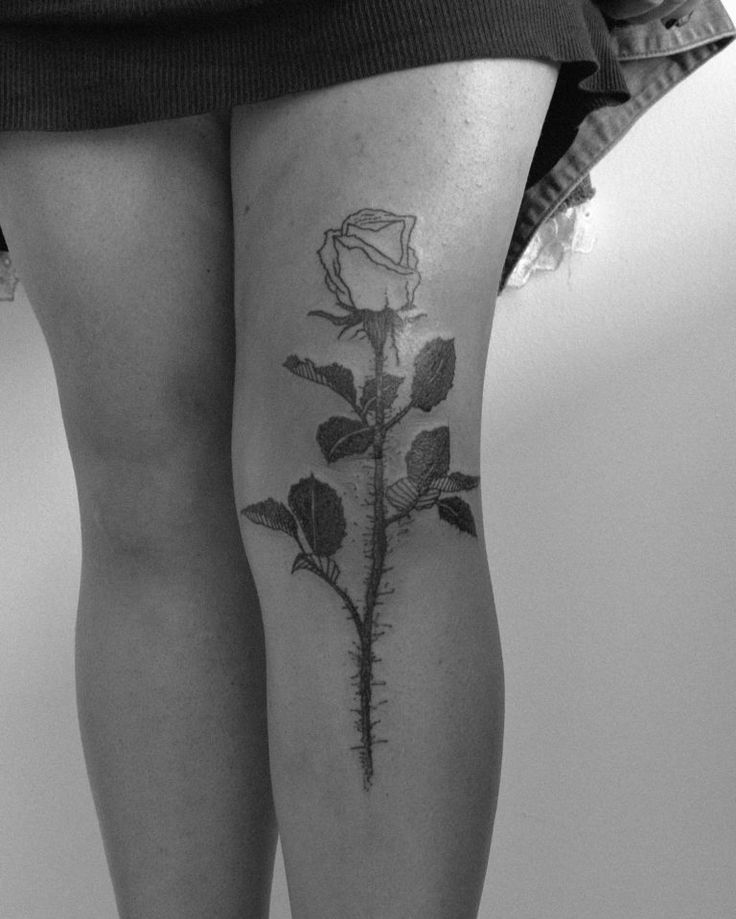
{"points": [[152, 469], [152, 505]]}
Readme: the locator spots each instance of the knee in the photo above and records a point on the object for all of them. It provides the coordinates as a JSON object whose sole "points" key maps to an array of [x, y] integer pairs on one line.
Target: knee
{"points": [[152, 463], [154, 500]]}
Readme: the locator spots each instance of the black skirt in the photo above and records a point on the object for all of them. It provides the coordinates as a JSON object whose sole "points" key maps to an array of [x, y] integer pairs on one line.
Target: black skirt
{"points": [[69, 65]]}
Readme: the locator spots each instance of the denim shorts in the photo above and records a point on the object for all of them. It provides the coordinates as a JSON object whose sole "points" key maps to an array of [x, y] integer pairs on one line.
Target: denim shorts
{"points": [[653, 60]]}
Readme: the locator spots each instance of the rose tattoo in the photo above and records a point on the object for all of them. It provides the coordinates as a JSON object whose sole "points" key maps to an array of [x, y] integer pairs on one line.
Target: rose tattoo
{"points": [[371, 269]]}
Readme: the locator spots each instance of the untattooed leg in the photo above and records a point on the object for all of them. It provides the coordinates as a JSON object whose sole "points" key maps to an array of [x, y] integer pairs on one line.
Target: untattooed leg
{"points": [[124, 241]]}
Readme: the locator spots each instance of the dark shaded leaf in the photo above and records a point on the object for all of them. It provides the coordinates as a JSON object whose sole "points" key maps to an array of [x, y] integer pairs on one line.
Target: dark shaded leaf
{"points": [[340, 437], [391, 385], [458, 513], [456, 481], [273, 514], [434, 371], [341, 380], [318, 508], [322, 567], [429, 456], [337, 377]]}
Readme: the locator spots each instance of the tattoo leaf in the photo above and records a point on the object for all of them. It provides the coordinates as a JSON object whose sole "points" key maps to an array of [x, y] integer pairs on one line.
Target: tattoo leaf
{"points": [[318, 508], [337, 377], [456, 481], [341, 436], [428, 457], [391, 385], [326, 568], [405, 496], [458, 513], [428, 498], [434, 372], [273, 514]]}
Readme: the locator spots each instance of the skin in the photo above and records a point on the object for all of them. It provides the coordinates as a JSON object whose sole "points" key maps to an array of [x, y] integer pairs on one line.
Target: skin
{"points": [[450, 145], [171, 267], [123, 239]]}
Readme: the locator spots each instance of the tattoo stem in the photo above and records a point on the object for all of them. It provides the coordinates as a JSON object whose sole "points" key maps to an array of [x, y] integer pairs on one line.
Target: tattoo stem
{"points": [[399, 415], [378, 557], [340, 591]]}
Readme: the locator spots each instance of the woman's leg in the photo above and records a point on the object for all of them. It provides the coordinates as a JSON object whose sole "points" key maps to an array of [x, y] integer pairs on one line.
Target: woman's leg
{"points": [[123, 239], [356, 453]]}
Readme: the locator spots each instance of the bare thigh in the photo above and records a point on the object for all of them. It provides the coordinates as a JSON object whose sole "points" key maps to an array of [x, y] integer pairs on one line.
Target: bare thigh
{"points": [[445, 150], [123, 240]]}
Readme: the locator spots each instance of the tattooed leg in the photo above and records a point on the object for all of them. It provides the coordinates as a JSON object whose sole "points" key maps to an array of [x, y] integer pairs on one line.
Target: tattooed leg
{"points": [[371, 225]]}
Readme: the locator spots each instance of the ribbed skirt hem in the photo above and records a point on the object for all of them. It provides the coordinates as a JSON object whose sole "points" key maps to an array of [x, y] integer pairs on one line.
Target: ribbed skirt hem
{"points": [[90, 75]]}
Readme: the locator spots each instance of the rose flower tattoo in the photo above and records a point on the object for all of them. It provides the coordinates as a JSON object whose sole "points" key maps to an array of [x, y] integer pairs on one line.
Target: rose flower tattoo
{"points": [[371, 268]]}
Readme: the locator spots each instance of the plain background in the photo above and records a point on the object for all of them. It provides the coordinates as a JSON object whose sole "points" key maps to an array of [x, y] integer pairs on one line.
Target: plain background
{"points": [[610, 508]]}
